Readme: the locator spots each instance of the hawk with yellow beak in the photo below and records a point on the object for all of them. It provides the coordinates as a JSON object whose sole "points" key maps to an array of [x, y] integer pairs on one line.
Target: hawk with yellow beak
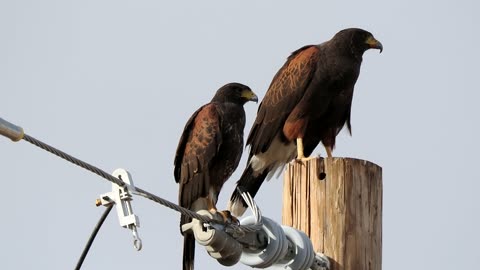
{"points": [[309, 101], [208, 153]]}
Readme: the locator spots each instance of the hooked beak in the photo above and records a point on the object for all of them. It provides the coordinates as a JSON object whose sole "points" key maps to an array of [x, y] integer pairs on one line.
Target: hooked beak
{"points": [[254, 98], [250, 96], [374, 44]]}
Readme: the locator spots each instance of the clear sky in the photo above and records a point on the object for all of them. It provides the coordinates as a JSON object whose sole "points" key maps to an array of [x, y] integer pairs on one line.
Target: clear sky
{"points": [[113, 83]]}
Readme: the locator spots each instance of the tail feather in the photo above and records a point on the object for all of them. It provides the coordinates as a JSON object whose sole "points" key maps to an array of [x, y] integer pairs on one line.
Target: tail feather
{"points": [[248, 182], [188, 251]]}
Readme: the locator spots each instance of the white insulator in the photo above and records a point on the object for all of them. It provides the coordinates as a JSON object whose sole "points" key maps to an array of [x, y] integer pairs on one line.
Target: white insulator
{"points": [[222, 247], [219, 245], [275, 249], [300, 254]]}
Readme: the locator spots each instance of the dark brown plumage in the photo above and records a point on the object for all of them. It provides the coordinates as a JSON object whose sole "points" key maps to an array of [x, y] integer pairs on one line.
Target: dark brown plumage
{"points": [[208, 152], [309, 101]]}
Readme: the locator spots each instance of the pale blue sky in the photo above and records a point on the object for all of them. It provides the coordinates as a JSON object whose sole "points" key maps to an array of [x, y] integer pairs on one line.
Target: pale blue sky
{"points": [[113, 82]]}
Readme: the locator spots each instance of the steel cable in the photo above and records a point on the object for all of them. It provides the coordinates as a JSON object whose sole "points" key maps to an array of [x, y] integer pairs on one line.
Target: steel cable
{"points": [[137, 190]]}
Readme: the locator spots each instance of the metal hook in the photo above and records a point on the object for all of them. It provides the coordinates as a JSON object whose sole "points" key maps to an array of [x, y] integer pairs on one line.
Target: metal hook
{"points": [[137, 242]]}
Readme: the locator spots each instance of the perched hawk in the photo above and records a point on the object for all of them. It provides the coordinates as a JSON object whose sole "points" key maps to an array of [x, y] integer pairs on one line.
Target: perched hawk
{"points": [[208, 152], [309, 101]]}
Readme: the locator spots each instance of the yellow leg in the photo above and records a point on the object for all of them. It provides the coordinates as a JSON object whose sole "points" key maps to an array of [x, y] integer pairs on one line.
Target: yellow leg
{"points": [[300, 155], [226, 216], [329, 151], [211, 206], [300, 149]]}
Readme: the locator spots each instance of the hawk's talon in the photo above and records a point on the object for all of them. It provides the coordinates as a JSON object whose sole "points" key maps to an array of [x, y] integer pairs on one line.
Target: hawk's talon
{"points": [[303, 160], [228, 217]]}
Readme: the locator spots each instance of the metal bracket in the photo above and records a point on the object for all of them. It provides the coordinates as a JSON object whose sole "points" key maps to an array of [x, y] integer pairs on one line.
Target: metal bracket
{"points": [[122, 197]]}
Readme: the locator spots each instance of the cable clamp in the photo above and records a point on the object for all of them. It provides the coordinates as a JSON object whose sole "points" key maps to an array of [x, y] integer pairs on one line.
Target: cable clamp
{"points": [[122, 197], [219, 245]]}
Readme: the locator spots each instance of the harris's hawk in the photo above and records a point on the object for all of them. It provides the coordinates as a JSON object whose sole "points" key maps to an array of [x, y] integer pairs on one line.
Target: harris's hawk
{"points": [[309, 101], [208, 153]]}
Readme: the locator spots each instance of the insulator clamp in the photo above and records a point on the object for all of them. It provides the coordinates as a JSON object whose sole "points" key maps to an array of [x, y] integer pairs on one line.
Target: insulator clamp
{"points": [[122, 197], [219, 245]]}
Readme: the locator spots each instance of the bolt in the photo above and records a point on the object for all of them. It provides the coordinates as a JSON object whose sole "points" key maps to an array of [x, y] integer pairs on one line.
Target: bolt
{"points": [[98, 202]]}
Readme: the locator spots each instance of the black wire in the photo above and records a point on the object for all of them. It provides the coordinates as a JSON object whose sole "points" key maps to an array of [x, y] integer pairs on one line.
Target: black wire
{"points": [[92, 237]]}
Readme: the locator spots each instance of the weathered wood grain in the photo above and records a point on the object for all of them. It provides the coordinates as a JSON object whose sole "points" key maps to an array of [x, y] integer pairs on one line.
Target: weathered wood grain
{"points": [[342, 214]]}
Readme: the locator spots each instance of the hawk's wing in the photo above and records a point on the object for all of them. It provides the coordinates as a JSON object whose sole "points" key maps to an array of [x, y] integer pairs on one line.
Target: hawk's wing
{"points": [[197, 149], [286, 90]]}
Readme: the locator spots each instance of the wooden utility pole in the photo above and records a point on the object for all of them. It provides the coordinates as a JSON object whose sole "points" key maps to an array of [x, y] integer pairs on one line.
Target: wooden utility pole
{"points": [[337, 202]]}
